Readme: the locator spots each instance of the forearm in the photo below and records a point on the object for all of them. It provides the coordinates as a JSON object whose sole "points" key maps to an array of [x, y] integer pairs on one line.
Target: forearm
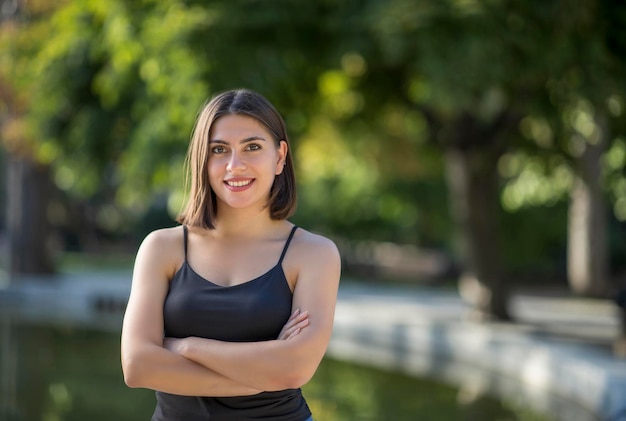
{"points": [[159, 369], [267, 365]]}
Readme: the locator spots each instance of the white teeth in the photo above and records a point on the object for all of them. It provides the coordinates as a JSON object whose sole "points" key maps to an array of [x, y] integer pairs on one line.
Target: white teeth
{"points": [[238, 183]]}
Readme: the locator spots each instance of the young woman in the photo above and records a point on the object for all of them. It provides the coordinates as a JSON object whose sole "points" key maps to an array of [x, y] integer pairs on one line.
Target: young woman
{"points": [[230, 313]]}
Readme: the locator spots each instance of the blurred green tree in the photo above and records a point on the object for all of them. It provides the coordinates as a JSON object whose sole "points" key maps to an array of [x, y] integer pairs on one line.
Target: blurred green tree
{"points": [[102, 94], [110, 90], [27, 189], [383, 97], [483, 74]]}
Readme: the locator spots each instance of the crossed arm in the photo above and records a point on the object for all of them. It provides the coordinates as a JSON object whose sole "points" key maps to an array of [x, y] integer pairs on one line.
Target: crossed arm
{"points": [[204, 367]]}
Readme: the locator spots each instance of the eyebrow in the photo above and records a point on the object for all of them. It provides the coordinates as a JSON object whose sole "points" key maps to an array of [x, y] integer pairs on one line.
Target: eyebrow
{"points": [[242, 141]]}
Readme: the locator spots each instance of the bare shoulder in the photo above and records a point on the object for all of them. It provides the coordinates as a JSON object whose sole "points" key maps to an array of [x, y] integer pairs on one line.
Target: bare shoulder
{"points": [[315, 248], [165, 238], [314, 265], [164, 247]]}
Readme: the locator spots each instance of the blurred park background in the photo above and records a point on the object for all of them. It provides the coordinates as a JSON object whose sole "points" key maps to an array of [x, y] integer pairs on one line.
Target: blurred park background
{"points": [[473, 144]]}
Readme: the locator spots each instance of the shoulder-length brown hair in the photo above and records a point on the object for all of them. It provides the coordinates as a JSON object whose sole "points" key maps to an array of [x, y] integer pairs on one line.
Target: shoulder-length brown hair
{"points": [[201, 208]]}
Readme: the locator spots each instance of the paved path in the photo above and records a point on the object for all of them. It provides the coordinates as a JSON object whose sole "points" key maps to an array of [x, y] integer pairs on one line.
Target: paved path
{"points": [[557, 358]]}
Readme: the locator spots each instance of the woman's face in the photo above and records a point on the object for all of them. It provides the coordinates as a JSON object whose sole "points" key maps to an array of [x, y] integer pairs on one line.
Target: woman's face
{"points": [[243, 162]]}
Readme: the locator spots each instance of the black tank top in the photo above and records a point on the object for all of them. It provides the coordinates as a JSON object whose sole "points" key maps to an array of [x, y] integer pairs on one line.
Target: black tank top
{"points": [[252, 311]]}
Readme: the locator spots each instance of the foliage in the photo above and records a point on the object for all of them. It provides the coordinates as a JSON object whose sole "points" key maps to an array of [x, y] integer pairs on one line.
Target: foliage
{"points": [[112, 91], [107, 92], [553, 66]]}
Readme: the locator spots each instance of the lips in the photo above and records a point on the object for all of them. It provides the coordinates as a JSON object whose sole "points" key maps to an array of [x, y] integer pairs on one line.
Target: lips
{"points": [[238, 183]]}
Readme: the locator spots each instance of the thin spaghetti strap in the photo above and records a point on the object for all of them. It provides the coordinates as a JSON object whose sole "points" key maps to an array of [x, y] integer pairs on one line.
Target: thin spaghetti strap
{"points": [[293, 230], [185, 240]]}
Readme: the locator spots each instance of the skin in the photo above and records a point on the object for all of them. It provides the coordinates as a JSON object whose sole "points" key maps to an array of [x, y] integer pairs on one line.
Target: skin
{"points": [[242, 151]]}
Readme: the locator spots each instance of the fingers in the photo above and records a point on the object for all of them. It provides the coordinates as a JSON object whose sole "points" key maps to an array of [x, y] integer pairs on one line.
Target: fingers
{"points": [[297, 316], [297, 321], [294, 333]]}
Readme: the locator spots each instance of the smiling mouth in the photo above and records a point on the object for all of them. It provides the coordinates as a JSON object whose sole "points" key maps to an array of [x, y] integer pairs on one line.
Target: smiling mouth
{"points": [[238, 183]]}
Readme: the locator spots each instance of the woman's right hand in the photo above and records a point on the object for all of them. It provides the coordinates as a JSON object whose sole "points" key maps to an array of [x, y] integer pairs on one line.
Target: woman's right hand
{"points": [[297, 321]]}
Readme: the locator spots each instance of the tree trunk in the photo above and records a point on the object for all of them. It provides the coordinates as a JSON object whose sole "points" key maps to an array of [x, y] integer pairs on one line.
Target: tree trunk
{"points": [[28, 230], [472, 180], [27, 188], [587, 252]]}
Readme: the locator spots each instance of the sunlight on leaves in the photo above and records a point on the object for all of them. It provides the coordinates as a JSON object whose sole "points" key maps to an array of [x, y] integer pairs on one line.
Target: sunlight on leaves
{"points": [[614, 163], [64, 177], [333, 83], [335, 88], [615, 104], [353, 64], [532, 182], [538, 130], [329, 170], [419, 91], [615, 158]]}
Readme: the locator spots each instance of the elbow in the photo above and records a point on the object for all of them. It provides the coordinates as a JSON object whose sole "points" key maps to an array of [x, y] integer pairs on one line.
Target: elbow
{"points": [[298, 381], [301, 370], [294, 379], [134, 371], [131, 375], [131, 379]]}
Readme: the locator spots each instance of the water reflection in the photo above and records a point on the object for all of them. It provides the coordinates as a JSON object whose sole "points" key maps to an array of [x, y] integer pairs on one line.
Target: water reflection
{"points": [[63, 372], [69, 374]]}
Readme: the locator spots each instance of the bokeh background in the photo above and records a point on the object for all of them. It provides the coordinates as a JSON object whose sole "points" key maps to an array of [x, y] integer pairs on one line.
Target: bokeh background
{"points": [[477, 144]]}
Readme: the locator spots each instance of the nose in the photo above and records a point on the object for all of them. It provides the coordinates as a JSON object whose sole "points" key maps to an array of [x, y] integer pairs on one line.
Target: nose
{"points": [[235, 163]]}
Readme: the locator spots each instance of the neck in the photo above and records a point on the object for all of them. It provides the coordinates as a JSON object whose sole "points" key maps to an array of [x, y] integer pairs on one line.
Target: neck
{"points": [[245, 223]]}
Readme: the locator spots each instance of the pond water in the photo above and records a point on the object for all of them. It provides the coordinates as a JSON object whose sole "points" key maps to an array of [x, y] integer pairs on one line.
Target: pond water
{"points": [[55, 373]]}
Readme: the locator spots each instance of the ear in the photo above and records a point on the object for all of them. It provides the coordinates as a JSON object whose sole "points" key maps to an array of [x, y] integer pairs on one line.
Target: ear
{"points": [[282, 156]]}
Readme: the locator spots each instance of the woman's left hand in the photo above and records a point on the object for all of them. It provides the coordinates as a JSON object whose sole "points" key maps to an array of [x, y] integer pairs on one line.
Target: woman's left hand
{"points": [[298, 321]]}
